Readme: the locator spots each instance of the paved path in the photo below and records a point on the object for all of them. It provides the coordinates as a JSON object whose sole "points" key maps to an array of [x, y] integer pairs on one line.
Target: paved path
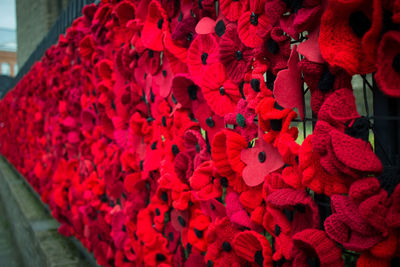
{"points": [[8, 253]]}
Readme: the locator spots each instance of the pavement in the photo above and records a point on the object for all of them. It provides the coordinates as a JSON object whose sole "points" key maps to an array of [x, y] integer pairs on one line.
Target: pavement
{"points": [[8, 252]]}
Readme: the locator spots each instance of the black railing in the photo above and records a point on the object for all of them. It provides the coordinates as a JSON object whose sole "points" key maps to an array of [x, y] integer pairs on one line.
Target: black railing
{"points": [[68, 15]]}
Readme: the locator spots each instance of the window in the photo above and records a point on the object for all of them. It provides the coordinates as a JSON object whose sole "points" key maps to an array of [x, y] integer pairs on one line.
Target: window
{"points": [[15, 69], [5, 68]]}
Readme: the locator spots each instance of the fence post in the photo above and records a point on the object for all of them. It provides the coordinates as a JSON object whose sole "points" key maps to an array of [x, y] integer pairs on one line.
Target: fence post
{"points": [[386, 127]]}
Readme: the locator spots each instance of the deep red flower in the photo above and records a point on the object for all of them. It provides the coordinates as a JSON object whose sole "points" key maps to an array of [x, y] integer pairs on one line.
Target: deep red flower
{"points": [[349, 35], [388, 62], [220, 93], [202, 53], [220, 244], [154, 27], [235, 56]]}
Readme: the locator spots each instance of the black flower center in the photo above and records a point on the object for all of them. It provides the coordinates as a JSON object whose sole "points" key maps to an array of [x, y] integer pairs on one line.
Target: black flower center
{"points": [[160, 257], [220, 28], [239, 55], [189, 36], [222, 90], [210, 263], [181, 221], [226, 246], [154, 145], [192, 91], [160, 23], [175, 149], [200, 2], [164, 121], [171, 236], [197, 147], [277, 230], [164, 73], [157, 211], [396, 63], [359, 23], [272, 46], [240, 120], [204, 57], [151, 53], [254, 19], [210, 122], [164, 196], [261, 157], [198, 233]]}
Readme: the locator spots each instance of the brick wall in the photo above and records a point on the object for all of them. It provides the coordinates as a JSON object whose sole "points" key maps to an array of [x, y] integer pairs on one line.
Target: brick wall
{"points": [[34, 20]]}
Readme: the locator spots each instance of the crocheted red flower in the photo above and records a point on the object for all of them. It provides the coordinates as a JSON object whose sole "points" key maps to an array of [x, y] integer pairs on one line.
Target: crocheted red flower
{"points": [[314, 176], [312, 243], [349, 35], [275, 49], [205, 182], [220, 246], [253, 23], [155, 25], [220, 93], [388, 64], [198, 229], [347, 227], [253, 247], [294, 17], [202, 53], [184, 32], [235, 56], [243, 120], [232, 9], [225, 152], [322, 80]]}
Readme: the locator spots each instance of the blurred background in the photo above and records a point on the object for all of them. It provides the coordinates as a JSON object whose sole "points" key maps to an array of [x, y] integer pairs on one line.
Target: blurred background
{"points": [[23, 25]]}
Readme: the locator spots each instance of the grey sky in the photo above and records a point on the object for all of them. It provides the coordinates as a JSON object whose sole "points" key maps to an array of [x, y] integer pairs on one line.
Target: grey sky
{"points": [[7, 14]]}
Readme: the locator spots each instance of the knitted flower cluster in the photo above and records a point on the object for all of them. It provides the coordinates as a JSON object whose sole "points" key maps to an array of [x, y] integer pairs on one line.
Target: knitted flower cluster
{"points": [[160, 133]]}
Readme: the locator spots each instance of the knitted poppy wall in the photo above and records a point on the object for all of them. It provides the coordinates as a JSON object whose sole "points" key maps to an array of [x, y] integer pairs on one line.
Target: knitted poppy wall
{"points": [[162, 133]]}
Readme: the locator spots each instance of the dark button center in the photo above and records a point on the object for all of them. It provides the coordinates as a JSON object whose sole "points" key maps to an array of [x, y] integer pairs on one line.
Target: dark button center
{"points": [[226, 246], [222, 90], [192, 91], [254, 19], [239, 55], [210, 122], [396, 63], [204, 57], [262, 157], [160, 23]]}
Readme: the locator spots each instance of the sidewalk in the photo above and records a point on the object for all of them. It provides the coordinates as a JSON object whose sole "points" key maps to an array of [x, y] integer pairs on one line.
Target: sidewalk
{"points": [[8, 252], [28, 234]]}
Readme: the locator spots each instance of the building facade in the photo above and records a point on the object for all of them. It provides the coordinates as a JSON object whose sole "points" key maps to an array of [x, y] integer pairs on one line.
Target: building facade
{"points": [[34, 20]]}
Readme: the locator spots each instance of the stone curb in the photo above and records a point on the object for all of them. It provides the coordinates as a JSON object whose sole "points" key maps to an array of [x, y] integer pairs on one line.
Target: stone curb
{"points": [[33, 229]]}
